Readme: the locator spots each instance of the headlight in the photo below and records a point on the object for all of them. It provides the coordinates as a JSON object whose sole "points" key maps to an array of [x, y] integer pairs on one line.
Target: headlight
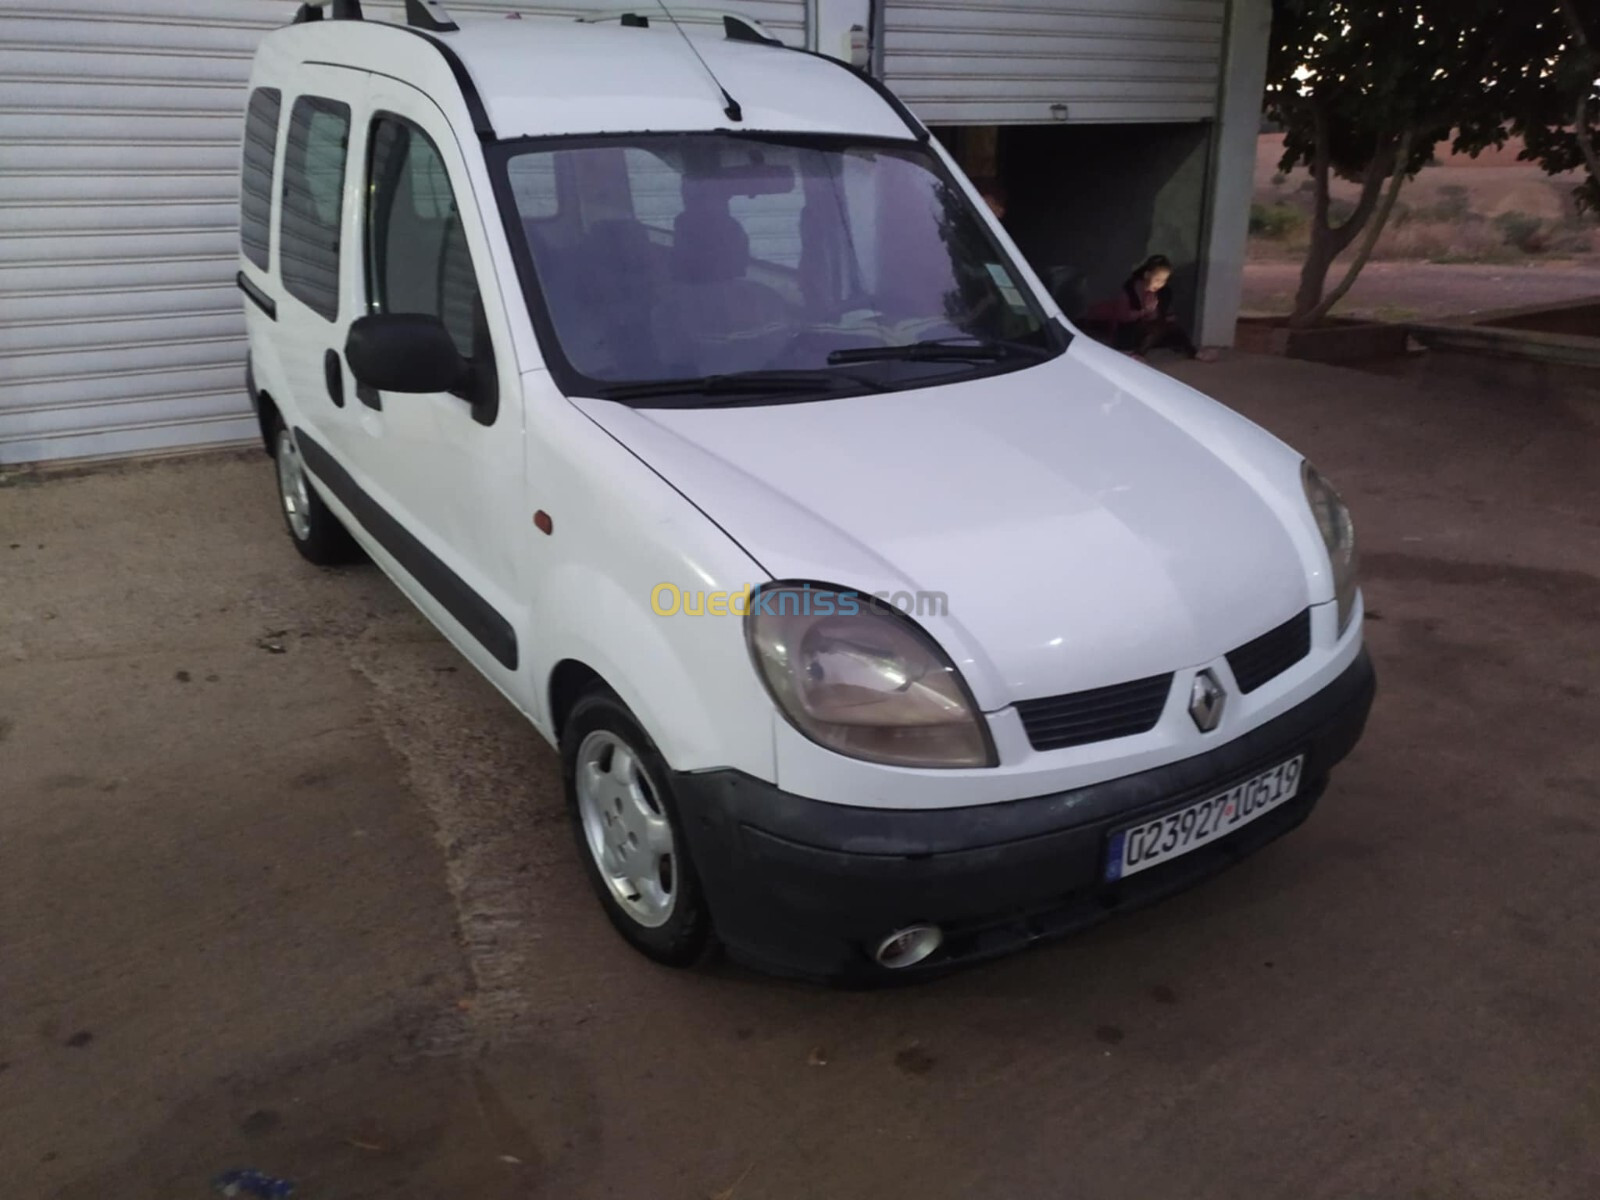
{"points": [[864, 680], [1338, 534]]}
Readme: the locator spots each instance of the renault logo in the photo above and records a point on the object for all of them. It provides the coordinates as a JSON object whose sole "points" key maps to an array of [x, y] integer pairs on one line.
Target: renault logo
{"points": [[1206, 701]]}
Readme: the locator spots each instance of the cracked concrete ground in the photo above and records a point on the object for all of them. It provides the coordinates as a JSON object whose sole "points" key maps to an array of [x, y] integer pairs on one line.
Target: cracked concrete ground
{"points": [[284, 885]]}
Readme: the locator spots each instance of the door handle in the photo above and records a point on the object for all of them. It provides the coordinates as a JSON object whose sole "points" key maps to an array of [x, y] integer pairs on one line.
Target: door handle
{"points": [[333, 377]]}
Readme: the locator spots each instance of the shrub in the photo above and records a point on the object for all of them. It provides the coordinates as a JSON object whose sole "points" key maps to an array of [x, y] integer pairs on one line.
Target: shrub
{"points": [[1454, 203], [1522, 230], [1275, 221], [1439, 241], [1578, 242]]}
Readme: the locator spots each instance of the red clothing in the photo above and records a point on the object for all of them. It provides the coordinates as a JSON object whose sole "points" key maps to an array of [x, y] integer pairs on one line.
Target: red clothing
{"points": [[1138, 320], [1121, 309]]}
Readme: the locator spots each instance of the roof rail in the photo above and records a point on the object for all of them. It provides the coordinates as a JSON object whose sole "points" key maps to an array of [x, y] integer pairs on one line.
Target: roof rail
{"points": [[420, 14], [343, 10], [429, 15], [735, 27]]}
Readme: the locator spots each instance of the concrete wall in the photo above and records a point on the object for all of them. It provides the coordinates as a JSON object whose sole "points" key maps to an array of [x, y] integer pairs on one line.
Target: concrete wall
{"points": [[1244, 73], [1100, 199], [832, 21]]}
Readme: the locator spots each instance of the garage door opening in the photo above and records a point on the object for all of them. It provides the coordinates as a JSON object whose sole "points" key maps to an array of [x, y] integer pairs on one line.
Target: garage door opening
{"points": [[1088, 203]]}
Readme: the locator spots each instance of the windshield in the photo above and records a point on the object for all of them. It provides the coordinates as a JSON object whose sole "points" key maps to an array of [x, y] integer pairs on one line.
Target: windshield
{"points": [[765, 265]]}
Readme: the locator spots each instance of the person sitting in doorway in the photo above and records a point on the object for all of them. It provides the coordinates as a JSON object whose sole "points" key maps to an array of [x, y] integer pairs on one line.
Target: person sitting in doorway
{"points": [[1138, 319]]}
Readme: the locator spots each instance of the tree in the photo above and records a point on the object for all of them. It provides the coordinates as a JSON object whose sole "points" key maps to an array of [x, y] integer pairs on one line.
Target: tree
{"points": [[1554, 98], [1365, 90]]}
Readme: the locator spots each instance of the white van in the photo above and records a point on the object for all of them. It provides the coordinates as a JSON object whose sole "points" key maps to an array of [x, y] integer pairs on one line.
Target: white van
{"points": [[883, 622]]}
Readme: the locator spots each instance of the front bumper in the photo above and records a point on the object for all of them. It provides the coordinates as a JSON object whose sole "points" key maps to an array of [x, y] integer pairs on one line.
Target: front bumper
{"points": [[803, 887]]}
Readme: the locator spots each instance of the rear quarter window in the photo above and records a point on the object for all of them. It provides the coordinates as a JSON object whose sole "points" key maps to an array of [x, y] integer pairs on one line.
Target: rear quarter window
{"points": [[313, 202], [255, 184]]}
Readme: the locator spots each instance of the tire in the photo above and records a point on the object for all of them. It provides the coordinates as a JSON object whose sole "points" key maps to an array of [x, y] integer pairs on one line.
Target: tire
{"points": [[313, 528], [629, 837]]}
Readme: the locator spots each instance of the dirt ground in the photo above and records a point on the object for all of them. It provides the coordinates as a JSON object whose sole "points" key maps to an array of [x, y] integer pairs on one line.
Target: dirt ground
{"points": [[1415, 291], [284, 885]]}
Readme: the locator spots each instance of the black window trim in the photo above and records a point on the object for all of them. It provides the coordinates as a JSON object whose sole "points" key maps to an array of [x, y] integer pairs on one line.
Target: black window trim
{"points": [[574, 383], [481, 391], [272, 177], [325, 104]]}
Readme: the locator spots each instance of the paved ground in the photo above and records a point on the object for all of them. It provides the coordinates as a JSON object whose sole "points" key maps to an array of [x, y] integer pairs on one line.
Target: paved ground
{"points": [[283, 885], [1409, 291]]}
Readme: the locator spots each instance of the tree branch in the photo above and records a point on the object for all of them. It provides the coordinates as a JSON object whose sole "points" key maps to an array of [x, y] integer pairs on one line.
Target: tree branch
{"points": [[1402, 159], [1580, 126], [1379, 168], [1321, 161], [1575, 23], [1580, 122]]}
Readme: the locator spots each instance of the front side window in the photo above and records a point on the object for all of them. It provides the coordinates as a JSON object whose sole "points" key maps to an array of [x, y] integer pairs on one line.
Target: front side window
{"points": [[313, 200], [417, 255], [255, 183], [688, 258]]}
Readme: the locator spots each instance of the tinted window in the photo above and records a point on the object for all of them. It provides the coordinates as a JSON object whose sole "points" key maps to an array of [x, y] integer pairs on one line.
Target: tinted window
{"points": [[682, 257], [313, 189], [417, 256], [255, 190]]}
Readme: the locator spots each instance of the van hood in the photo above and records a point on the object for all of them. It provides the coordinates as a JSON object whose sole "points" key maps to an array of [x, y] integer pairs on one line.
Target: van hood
{"points": [[1090, 520]]}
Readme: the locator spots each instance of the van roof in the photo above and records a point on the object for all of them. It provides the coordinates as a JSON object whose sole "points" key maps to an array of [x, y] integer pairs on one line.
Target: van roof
{"points": [[540, 77]]}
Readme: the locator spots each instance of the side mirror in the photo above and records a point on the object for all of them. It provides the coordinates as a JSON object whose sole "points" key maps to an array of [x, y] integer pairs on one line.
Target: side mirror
{"points": [[404, 352]]}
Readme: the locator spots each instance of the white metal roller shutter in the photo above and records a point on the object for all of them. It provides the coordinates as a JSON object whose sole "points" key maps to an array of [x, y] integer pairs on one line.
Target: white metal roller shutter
{"points": [[120, 328], [1019, 61], [120, 120], [782, 18]]}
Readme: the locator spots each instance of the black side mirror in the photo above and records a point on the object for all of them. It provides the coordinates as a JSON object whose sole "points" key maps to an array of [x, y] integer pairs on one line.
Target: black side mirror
{"points": [[405, 352]]}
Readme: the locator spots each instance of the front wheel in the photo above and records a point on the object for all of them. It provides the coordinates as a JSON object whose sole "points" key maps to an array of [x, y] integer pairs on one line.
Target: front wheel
{"points": [[628, 832], [316, 532]]}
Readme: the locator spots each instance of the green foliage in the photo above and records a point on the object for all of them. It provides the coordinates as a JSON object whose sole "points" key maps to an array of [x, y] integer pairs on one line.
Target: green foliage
{"points": [[1366, 90], [1551, 65], [1454, 203], [1364, 72], [1522, 230], [1275, 221]]}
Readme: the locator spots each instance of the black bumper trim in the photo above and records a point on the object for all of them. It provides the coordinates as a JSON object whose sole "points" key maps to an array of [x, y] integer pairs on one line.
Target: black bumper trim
{"points": [[801, 886], [475, 614]]}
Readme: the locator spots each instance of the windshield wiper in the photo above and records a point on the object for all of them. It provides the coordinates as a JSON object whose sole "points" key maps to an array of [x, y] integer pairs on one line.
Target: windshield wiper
{"points": [[742, 383], [974, 351]]}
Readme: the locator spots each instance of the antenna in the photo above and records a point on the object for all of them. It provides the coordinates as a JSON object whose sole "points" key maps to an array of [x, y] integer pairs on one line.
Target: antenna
{"points": [[733, 110]]}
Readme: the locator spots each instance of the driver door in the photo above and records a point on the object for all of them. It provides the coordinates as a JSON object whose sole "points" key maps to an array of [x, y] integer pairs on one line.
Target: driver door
{"points": [[447, 466]]}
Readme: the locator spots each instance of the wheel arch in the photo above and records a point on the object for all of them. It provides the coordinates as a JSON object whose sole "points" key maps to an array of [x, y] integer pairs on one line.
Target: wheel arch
{"points": [[267, 417], [689, 686], [569, 679]]}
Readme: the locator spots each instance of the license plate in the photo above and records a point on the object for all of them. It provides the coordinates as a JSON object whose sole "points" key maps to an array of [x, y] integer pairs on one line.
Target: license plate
{"points": [[1163, 838]]}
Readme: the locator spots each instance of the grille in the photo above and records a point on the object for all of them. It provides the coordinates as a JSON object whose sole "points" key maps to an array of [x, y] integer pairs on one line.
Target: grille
{"points": [[1095, 716], [1271, 654]]}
